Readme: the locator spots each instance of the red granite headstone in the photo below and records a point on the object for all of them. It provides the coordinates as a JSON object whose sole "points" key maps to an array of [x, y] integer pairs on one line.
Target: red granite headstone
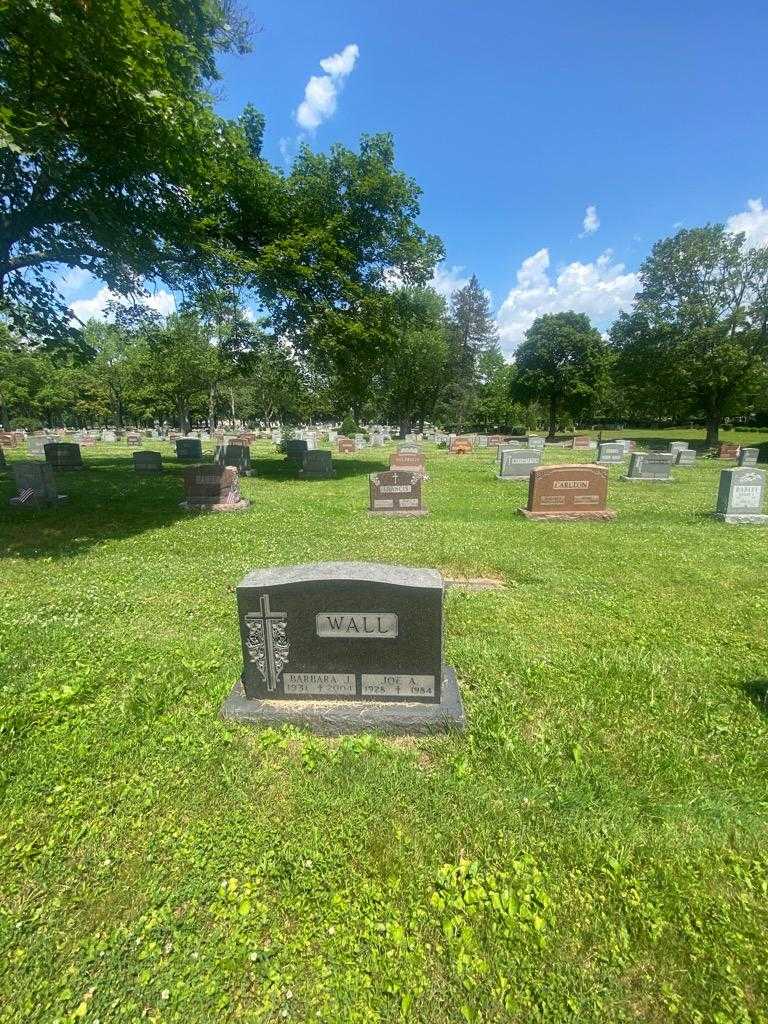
{"points": [[346, 445], [461, 446], [568, 492], [213, 487], [729, 450], [580, 441], [396, 493], [408, 461]]}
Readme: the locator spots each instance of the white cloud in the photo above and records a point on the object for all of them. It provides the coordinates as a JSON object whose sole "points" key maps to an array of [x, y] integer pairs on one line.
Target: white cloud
{"points": [[753, 222], [447, 280], [73, 279], [600, 289], [321, 91], [591, 221], [94, 308]]}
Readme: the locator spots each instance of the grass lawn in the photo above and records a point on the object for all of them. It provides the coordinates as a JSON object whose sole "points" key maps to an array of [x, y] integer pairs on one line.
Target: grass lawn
{"points": [[593, 849]]}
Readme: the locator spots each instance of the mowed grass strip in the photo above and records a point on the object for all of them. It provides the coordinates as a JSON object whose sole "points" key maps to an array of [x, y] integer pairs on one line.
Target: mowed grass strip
{"points": [[593, 848]]}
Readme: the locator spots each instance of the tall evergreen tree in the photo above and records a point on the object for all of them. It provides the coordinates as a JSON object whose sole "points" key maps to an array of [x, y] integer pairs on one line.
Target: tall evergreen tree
{"points": [[473, 329]]}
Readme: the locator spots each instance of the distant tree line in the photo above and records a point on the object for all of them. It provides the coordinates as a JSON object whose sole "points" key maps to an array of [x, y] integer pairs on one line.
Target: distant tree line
{"points": [[113, 161]]}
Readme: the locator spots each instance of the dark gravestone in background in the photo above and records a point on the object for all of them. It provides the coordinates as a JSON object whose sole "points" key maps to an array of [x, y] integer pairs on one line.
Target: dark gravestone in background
{"points": [[237, 455], [146, 463], [317, 465], [61, 455], [748, 456], [295, 449], [35, 484], [344, 647], [189, 449], [568, 492], [396, 493]]}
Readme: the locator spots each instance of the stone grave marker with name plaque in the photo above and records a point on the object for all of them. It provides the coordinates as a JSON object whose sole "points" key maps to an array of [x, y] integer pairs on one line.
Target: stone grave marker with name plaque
{"points": [[517, 463], [749, 456], [728, 450], [678, 446], [568, 492], [35, 484], [345, 445], [685, 457], [650, 466], [413, 461], [740, 497], [396, 493], [213, 488], [63, 455], [344, 647], [610, 453], [317, 465], [147, 463]]}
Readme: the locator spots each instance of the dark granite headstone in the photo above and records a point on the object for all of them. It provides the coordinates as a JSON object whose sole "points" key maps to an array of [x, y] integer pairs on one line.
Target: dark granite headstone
{"points": [[237, 455], [749, 456], [653, 466], [517, 463], [63, 456], [740, 496], [344, 647], [35, 484], [396, 493], [568, 492], [213, 487], [189, 449], [147, 462], [317, 465], [295, 449]]}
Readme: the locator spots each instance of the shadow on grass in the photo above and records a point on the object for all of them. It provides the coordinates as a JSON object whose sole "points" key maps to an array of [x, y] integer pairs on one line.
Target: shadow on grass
{"points": [[105, 501], [108, 500], [757, 691]]}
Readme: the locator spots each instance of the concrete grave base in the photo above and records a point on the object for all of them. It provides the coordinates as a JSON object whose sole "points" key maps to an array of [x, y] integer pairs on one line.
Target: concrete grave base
{"points": [[742, 520], [514, 479], [342, 717], [604, 515], [398, 514], [237, 507]]}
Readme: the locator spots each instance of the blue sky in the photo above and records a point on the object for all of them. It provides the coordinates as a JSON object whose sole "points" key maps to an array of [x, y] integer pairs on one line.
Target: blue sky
{"points": [[515, 119]]}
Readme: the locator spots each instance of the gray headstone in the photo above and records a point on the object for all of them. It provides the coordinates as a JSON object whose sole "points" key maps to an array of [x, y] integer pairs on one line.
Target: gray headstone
{"points": [[740, 496], [237, 455], [317, 465], [148, 462], [359, 442], [685, 457], [650, 466], [678, 446], [35, 484], [535, 442], [344, 647], [608, 452], [748, 456], [189, 449], [62, 455], [409, 449], [517, 463], [296, 449]]}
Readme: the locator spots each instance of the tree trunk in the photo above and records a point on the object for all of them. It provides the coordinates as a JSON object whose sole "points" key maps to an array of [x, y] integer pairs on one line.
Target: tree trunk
{"points": [[713, 430], [211, 408], [552, 417]]}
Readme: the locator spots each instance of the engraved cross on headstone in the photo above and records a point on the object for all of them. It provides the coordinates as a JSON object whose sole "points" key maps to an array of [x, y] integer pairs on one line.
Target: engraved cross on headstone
{"points": [[267, 618]]}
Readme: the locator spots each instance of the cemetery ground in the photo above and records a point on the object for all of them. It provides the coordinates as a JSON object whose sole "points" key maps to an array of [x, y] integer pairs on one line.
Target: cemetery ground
{"points": [[593, 848]]}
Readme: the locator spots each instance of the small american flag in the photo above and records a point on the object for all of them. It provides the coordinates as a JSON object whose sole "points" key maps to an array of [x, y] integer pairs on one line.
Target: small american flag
{"points": [[26, 495]]}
